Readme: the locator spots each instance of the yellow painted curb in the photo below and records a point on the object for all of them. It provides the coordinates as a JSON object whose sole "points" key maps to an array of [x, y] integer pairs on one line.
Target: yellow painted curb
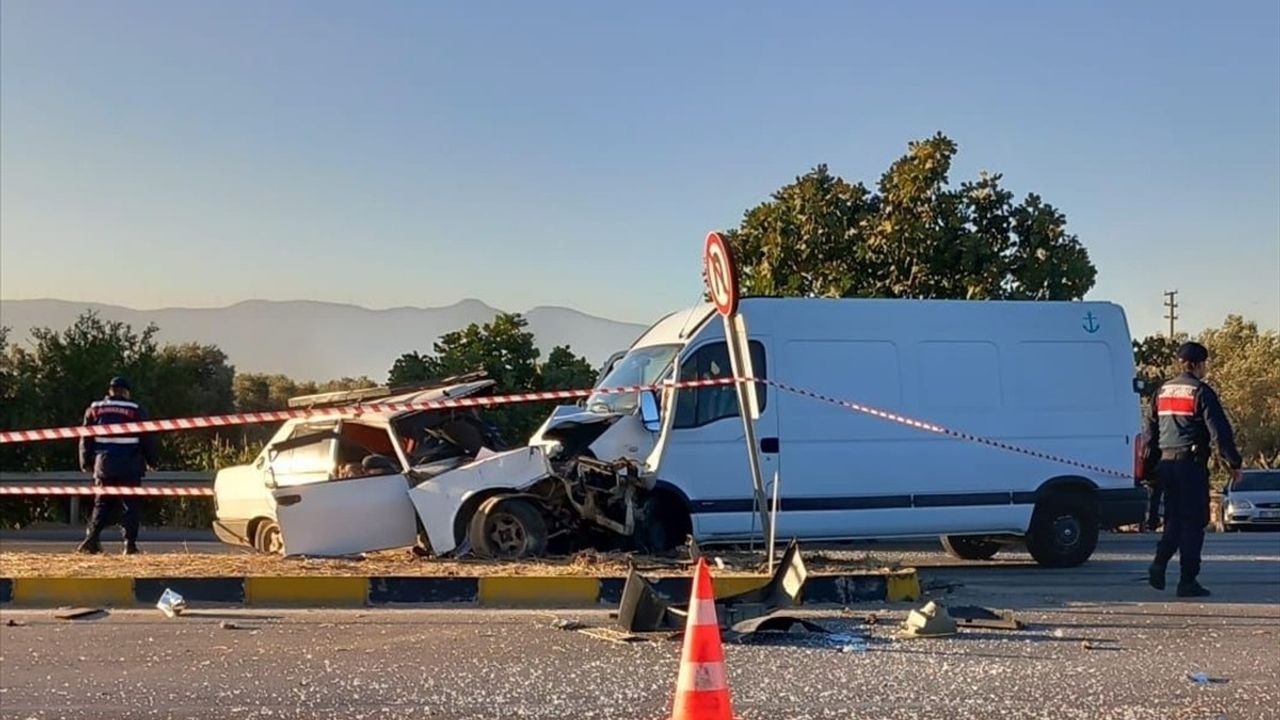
{"points": [[902, 585], [535, 590], [323, 591], [73, 591], [734, 584]]}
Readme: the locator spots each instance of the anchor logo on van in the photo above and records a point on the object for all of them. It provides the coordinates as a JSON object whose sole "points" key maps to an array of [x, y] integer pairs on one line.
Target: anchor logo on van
{"points": [[1091, 323]]}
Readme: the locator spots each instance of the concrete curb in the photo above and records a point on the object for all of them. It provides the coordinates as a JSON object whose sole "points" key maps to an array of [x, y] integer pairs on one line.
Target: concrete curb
{"points": [[522, 591]]}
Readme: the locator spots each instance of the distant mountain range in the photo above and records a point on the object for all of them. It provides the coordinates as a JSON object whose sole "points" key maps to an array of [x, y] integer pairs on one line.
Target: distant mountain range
{"points": [[318, 340]]}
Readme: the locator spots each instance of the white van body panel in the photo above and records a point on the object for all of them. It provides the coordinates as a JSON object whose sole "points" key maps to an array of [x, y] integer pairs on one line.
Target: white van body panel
{"points": [[1054, 377]]}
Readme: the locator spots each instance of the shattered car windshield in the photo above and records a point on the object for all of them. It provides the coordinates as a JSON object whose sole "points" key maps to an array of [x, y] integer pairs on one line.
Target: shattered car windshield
{"points": [[641, 366]]}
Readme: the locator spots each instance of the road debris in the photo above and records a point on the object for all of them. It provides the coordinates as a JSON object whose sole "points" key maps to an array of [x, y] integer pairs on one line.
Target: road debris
{"points": [[612, 635], [1201, 678], [567, 624], [13, 623], [644, 609], [930, 621], [973, 616], [228, 625], [171, 603], [78, 613]]}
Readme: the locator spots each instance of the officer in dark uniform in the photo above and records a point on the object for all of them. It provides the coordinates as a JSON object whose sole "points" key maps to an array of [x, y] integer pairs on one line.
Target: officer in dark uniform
{"points": [[115, 461], [1185, 419]]}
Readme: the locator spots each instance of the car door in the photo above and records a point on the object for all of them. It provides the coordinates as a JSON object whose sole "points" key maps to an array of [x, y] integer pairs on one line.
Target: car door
{"points": [[336, 516], [706, 455]]}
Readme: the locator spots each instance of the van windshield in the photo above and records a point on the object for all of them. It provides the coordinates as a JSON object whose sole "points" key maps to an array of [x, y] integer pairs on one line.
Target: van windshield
{"points": [[640, 366]]}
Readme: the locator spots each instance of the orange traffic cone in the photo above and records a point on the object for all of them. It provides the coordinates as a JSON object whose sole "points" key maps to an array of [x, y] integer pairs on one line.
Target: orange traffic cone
{"points": [[702, 690]]}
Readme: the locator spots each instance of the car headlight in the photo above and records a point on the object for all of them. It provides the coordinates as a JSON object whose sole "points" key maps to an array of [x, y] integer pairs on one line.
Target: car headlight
{"points": [[1241, 505]]}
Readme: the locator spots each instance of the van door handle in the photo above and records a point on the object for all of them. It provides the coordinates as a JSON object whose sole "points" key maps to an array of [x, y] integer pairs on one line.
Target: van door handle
{"points": [[769, 445], [288, 499]]}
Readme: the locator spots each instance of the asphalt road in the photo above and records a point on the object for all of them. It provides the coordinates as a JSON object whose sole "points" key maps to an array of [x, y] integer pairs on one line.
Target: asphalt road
{"points": [[467, 664]]}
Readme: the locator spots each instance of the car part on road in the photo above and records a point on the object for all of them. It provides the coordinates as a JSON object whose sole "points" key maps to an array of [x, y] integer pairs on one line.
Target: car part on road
{"points": [[171, 603], [78, 613], [930, 621], [972, 616], [644, 609]]}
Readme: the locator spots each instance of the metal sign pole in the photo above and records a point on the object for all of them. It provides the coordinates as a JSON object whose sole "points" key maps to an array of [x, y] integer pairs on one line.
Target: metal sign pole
{"points": [[722, 287], [741, 368]]}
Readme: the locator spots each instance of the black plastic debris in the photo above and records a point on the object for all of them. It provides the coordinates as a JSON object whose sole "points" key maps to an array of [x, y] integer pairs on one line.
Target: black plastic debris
{"points": [[643, 609]]}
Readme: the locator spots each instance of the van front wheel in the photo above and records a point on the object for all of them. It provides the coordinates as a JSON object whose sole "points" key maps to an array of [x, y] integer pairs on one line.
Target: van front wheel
{"points": [[970, 547], [1064, 530]]}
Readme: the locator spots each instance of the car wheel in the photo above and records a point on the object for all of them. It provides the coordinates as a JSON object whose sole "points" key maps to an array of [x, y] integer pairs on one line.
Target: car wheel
{"points": [[506, 528], [969, 547], [1064, 530], [267, 538]]}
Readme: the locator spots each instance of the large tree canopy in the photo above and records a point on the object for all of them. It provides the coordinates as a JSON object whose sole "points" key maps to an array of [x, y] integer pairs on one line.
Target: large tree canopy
{"points": [[915, 236]]}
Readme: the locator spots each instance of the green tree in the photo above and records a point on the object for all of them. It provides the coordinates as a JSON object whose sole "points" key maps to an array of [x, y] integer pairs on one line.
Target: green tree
{"points": [[564, 370], [915, 236], [505, 350], [1244, 367]]}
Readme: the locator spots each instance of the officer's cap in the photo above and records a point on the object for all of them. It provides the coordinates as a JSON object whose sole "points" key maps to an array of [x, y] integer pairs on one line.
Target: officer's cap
{"points": [[118, 382], [1193, 352]]}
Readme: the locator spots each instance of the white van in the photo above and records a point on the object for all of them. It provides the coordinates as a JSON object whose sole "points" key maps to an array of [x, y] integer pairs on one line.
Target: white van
{"points": [[1054, 377]]}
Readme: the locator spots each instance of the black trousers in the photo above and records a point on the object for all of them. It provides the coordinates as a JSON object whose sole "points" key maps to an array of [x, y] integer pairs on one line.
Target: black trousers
{"points": [[1186, 513], [105, 506]]}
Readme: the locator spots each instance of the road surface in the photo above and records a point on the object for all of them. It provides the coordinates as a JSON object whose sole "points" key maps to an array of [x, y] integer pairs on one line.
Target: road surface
{"points": [[1101, 644]]}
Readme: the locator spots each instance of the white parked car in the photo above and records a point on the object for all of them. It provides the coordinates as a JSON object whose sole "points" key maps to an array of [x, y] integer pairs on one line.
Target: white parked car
{"points": [[1253, 501]]}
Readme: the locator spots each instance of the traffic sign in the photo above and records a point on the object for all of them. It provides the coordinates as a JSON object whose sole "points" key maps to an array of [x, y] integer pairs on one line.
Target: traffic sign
{"points": [[722, 274]]}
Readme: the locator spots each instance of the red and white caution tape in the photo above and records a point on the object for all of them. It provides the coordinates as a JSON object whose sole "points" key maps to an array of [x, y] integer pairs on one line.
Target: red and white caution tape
{"points": [[271, 416], [193, 423], [105, 490]]}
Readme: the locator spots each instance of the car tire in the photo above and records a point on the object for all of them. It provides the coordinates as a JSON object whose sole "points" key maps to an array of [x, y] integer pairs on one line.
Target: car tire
{"points": [[1064, 530], [267, 538], [507, 528], [970, 547]]}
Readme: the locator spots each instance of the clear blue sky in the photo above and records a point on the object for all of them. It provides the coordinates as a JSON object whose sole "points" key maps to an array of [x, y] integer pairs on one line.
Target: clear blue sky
{"points": [[575, 153]]}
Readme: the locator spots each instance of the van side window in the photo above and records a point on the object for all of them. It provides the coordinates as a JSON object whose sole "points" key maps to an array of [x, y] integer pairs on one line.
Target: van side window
{"points": [[696, 407]]}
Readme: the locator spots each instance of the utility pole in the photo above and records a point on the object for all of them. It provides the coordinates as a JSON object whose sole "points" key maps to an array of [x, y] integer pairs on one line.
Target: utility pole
{"points": [[1171, 302]]}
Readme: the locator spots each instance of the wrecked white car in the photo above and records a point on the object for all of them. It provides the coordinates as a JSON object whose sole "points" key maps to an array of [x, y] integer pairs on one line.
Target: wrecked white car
{"points": [[438, 479], [337, 483]]}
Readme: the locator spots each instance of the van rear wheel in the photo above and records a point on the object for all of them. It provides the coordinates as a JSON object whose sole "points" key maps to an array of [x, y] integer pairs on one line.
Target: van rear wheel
{"points": [[970, 547], [1064, 530]]}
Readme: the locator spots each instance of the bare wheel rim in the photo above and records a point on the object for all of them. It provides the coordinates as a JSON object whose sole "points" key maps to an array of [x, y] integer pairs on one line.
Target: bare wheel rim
{"points": [[1066, 531], [272, 540], [506, 534]]}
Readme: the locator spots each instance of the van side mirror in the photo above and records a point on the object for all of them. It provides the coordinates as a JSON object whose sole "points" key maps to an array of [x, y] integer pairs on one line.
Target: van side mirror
{"points": [[649, 413]]}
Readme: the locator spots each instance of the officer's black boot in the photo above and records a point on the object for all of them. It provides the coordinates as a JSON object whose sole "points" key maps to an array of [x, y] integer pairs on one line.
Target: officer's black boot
{"points": [[90, 545], [1155, 575], [131, 547], [1192, 589]]}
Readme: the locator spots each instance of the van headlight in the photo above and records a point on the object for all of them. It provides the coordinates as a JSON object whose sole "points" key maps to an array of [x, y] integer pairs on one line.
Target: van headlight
{"points": [[1240, 505]]}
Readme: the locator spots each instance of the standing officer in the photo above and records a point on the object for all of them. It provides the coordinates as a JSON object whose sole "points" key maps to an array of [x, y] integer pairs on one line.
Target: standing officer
{"points": [[115, 461], [1184, 419]]}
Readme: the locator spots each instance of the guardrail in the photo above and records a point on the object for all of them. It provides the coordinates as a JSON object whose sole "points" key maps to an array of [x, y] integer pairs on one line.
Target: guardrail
{"points": [[172, 478]]}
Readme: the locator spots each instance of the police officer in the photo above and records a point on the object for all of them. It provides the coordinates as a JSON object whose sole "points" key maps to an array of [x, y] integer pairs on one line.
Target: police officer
{"points": [[115, 461], [1184, 420]]}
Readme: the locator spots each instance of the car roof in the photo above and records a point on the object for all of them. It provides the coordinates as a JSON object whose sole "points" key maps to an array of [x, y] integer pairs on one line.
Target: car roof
{"points": [[456, 390]]}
